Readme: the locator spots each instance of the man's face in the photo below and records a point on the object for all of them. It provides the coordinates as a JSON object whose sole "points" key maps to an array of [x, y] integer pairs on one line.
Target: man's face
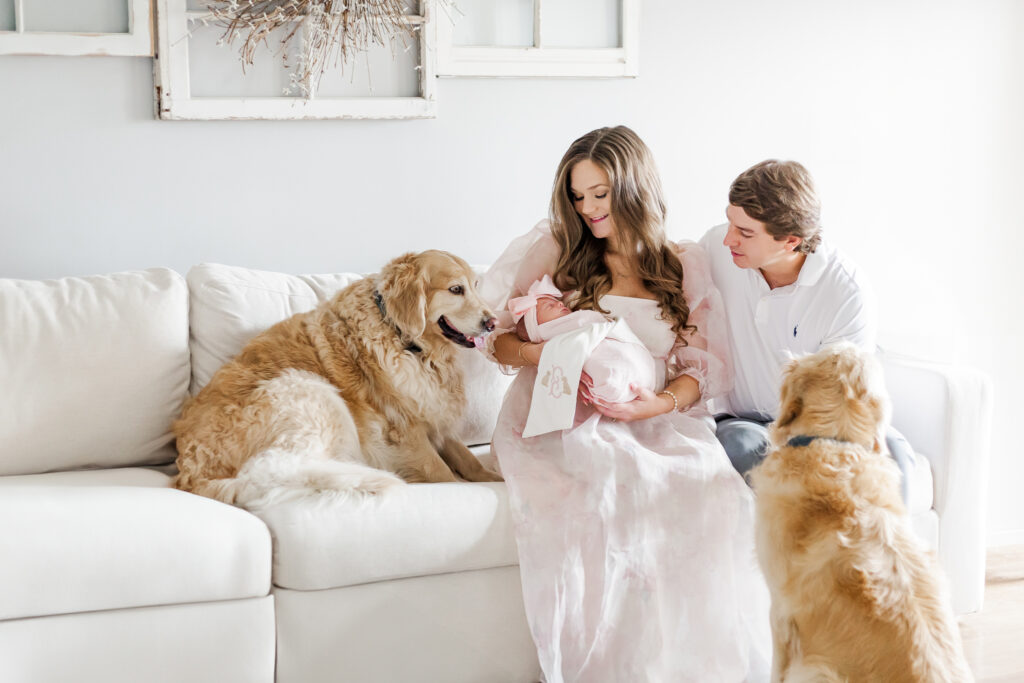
{"points": [[750, 243]]}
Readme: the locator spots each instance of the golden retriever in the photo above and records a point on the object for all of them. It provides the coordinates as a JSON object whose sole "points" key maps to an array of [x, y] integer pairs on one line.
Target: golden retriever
{"points": [[344, 397], [855, 597]]}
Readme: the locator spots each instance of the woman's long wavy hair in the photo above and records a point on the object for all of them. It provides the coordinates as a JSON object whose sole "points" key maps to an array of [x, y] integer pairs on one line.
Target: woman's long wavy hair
{"points": [[638, 213]]}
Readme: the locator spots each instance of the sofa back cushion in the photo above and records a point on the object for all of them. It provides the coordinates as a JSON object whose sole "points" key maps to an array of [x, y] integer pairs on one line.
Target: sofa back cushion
{"points": [[230, 306], [93, 370]]}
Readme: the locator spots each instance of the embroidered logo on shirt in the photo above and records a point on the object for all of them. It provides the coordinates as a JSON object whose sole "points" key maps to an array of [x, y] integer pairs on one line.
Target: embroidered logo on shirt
{"points": [[555, 387], [794, 329]]}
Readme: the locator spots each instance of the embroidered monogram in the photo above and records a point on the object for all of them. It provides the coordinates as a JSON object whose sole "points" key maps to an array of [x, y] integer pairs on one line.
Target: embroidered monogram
{"points": [[556, 388]]}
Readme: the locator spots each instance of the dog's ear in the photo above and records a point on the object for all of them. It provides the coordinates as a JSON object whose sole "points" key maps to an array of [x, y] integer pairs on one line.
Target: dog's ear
{"points": [[850, 371], [877, 408], [791, 401], [792, 406], [403, 287]]}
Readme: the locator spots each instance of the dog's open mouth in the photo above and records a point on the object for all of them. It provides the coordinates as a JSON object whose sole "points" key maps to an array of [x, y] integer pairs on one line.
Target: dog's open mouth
{"points": [[451, 333]]}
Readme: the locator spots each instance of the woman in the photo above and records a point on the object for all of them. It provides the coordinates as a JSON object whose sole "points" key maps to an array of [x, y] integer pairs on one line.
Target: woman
{"points": [[635, 533]]}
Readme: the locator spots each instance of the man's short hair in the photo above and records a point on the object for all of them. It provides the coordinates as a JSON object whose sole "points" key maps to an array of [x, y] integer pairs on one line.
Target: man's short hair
{"points": [[781, 195]]}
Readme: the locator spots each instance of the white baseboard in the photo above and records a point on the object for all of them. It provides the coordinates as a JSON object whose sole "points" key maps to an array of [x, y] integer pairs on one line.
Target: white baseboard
{"points": [[1001, 538]]}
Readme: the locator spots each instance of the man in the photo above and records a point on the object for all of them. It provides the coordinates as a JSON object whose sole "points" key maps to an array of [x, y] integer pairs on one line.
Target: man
{"points": [[786, 293]]}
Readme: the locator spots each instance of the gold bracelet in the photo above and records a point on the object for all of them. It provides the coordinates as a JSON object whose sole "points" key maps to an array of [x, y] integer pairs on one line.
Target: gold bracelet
{"points": [[519, 351], [675, 401]]}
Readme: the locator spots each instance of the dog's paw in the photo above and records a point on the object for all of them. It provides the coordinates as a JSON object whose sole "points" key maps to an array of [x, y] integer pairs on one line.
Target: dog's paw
{"points": [[487, 475]]}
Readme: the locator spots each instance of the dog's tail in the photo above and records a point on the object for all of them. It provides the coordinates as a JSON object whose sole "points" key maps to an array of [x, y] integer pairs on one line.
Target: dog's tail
{"points": [[277, 476]]}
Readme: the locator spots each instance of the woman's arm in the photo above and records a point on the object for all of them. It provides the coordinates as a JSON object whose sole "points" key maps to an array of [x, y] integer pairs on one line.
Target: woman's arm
{"points": [[512, 351], [648, 404]]}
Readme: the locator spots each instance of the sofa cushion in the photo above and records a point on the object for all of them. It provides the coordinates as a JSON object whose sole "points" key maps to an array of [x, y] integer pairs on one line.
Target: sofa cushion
{"points": [[94, 370], [921, 488], [416, 530], [122, 476], [230, 306], [108, 539]]}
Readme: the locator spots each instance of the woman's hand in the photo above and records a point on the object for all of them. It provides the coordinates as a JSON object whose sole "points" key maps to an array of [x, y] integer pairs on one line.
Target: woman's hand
{"points": [[647, 404]]}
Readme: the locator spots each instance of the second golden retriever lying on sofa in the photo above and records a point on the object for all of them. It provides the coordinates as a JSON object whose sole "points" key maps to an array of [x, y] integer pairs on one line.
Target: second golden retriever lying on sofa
{"points": [[855, 597], [344, 397]]}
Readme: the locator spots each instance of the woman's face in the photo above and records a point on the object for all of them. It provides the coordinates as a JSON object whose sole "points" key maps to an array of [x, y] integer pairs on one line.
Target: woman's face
{"points": [[590, 191]]}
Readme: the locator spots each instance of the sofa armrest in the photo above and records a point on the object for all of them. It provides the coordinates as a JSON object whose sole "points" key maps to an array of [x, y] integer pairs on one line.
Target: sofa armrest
{"points": [[945, 412]]}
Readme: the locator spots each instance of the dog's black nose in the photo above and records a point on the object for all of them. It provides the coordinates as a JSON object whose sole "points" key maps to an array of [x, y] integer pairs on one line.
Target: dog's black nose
{"points": [[489, 324]]}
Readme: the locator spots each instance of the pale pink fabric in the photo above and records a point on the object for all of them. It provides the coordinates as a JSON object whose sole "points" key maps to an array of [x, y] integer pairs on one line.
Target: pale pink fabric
{"points": [[525, 307], [614, 366], [635, 539]]}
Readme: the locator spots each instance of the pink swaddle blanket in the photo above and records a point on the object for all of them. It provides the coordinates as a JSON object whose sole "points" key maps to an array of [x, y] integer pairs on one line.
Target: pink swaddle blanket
{"points": [[618, 361]]}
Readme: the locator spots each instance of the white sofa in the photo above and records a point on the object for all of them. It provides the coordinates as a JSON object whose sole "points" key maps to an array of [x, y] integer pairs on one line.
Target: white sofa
{"points": [[109, 575]]}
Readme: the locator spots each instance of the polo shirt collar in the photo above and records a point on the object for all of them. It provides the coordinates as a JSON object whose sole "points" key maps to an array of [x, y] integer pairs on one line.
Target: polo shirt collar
{"points": [[814, 266]]}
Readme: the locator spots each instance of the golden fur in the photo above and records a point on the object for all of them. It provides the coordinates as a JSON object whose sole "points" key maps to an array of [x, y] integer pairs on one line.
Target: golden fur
{"points": [[855, 597], [335, 400]]}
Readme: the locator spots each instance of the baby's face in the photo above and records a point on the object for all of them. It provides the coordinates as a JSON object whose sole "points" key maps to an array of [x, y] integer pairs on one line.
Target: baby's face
{"points": [[549, 309]]}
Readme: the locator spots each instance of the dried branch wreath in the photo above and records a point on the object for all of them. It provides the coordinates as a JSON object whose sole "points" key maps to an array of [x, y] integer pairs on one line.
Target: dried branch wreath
{"points": [[330, 31]]}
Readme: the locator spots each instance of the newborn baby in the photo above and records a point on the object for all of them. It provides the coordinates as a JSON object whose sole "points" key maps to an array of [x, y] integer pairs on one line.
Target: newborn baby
{"points": [[618, 361]]}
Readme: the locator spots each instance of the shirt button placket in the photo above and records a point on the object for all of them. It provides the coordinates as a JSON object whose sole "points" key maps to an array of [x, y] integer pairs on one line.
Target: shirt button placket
{"points": [[761, 313]]}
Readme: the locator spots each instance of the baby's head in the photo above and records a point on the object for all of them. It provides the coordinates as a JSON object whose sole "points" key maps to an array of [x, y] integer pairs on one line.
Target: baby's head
{"points": [[547, 309], [541, 304]]}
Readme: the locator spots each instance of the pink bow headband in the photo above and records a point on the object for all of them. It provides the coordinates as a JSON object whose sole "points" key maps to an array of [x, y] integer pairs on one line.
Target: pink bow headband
{"points": [[541, 288], [526, 306]]}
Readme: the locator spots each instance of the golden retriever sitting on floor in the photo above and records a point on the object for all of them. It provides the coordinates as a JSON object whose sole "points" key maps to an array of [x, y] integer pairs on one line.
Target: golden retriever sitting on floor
{"points": [[855, 597], [344, 397]]}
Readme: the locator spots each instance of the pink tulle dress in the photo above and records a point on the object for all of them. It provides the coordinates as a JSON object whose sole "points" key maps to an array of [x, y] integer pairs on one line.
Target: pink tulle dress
{"points": [[635, 539]]}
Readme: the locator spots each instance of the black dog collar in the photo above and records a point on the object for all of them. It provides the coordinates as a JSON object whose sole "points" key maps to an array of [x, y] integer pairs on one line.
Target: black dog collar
{"points": [[379, 300], [803, 440]]}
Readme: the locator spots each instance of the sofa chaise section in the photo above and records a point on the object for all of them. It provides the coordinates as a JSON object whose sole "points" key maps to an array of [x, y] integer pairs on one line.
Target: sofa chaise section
{"points": [[107, 573]]}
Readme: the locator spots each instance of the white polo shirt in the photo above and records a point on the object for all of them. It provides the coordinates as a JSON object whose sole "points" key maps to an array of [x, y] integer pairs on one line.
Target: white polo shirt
{"points": [[829, 302]]}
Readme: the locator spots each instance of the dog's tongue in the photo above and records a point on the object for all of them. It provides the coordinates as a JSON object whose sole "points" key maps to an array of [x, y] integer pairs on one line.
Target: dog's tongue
{"points": [[480, 342]]}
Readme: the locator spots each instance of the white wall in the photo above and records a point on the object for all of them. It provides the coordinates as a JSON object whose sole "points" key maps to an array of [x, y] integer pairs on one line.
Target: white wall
{"points": [[908, 113]]}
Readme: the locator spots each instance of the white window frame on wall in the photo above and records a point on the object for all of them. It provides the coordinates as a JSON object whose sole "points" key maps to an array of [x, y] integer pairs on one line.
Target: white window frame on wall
{"points": [[540, 61], [173, 89], [137, 42]]}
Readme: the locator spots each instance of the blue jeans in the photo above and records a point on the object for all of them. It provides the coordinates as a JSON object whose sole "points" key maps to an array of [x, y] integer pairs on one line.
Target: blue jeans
{"points": [[746, 443]]}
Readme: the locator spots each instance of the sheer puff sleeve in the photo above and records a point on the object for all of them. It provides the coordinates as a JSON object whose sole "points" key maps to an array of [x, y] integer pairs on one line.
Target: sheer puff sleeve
{"points": [[526, 259], [705, 355]]}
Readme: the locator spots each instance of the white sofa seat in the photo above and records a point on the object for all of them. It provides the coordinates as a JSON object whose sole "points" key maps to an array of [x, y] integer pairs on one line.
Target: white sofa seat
{"points": [[110, 576], [71, 542], [921, 485], [421, 584], [920, 501], [417, 530]]}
